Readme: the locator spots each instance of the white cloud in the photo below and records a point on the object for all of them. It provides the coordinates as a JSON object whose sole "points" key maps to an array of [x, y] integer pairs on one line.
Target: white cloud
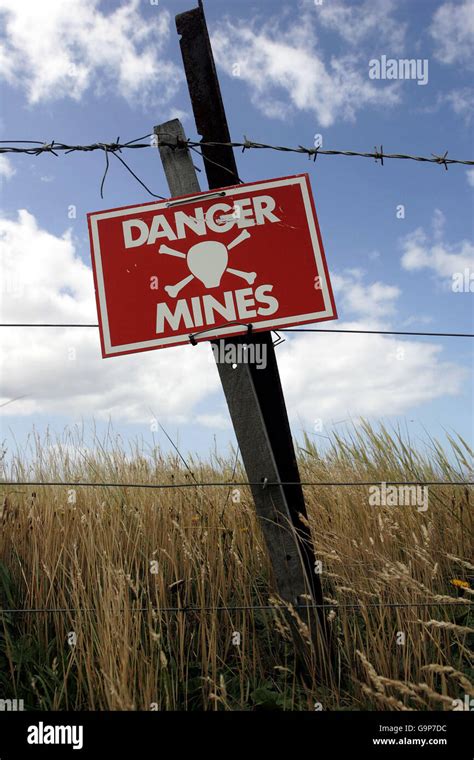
{"points": [[438, 223], [6, 168], [329, 376], [285, 71], [452, 29], [332, 375], [369, 301], [462, 101], [422, 251], [44, 280], [55, 49], [356, 23], [470, 177], [417, 320], [214, 421]]}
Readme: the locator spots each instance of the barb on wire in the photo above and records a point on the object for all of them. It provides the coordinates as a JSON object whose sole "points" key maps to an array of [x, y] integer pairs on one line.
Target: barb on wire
{"points": [[441, 160]]}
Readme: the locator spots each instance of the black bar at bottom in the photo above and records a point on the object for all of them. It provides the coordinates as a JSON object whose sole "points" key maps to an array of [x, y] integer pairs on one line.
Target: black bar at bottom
{"points": [[229, 734]]}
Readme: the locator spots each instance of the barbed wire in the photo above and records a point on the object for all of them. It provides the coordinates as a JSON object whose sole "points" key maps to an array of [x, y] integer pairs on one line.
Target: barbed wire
{"points": [[38, 147], [287, 330], [246, 607], [55, 147], [377, 154], [236, 484]]}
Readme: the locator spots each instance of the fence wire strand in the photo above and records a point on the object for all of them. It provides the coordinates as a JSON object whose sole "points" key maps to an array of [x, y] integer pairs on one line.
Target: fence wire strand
{"points": [[248, 607], [286, 330], [54, 147], [236, 484], [38, 147]]}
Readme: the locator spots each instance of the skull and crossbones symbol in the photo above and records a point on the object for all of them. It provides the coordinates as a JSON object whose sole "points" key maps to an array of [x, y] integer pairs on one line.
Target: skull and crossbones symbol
{"points": [[207, 261]]}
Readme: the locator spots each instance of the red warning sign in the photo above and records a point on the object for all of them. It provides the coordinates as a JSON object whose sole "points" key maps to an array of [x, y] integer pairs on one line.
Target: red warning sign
{"points": [[246, 254]]}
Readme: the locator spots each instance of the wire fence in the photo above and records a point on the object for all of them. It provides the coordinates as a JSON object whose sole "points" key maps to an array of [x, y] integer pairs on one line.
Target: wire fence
{"points": [[245, 607], [55, 148], [280, 330], [236, 484], [39, 147]]}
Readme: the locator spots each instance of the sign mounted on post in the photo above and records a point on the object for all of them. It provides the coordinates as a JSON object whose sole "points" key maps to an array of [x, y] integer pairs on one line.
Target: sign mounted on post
{"points": [[248, 254]]}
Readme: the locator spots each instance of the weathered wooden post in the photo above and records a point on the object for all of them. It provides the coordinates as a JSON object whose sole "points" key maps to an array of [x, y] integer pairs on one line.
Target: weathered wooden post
{"points": [[254, 396]]}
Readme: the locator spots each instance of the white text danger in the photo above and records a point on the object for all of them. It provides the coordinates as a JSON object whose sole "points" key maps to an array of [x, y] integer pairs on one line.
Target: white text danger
{"points": [[220, 217]]}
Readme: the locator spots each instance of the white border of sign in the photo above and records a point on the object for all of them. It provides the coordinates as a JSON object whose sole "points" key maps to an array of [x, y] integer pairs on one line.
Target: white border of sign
{"points": [[328, 313]]}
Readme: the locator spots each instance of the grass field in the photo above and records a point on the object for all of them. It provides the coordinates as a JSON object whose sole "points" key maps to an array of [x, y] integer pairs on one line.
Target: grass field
{"points": [[118, 556]]}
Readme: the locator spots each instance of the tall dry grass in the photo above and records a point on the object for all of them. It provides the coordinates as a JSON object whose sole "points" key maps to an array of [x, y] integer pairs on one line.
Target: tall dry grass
{"points": [[97, 555]]}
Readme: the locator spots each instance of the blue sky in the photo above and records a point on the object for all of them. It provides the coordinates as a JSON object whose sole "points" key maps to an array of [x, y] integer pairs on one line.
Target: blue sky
{"points": [[82, 71]]}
